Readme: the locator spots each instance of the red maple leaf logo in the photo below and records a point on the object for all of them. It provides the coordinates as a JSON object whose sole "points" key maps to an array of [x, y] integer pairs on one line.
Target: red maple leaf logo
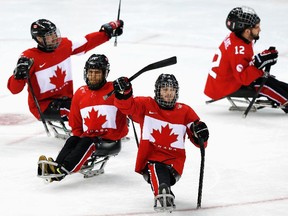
{"points": [[58, 78], [93, 122], [164, 137]]}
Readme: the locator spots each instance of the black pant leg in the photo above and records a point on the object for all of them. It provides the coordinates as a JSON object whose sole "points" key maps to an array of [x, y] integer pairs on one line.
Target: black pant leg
{"points": [[278, 92], [158, 173], [79, 155], [69, 145]]}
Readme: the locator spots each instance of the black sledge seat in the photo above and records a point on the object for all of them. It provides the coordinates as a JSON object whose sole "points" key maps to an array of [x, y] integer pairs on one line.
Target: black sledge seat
{"points": [[107, 147], [244, 91]]}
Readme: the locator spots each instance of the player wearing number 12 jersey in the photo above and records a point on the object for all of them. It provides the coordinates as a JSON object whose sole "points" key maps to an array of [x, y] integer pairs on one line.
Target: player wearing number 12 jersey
{"points": [[234, 64]]}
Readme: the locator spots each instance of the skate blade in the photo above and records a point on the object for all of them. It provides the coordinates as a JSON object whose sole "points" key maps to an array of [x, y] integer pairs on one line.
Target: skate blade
{"points": [[164, 209], [125, 139]]}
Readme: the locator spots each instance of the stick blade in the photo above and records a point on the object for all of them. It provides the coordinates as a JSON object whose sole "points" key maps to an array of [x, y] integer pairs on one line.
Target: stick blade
{"points": [[166, 62]]}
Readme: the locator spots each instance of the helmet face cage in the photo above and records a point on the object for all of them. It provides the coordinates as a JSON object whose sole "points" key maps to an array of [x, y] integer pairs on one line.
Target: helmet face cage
{"points": [[166, 80], [241, 18], [50, 34], [55, 34], [100, 62]]}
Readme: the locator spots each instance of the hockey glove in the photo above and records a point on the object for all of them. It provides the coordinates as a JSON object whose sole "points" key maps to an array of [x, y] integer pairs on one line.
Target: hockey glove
{"points": [[200, 130], [113, 29], [265, 58], [122, 88], [22, 69]]}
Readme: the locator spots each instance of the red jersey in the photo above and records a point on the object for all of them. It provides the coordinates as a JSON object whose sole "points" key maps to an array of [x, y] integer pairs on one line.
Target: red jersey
{"points": [[231, 68], [162, 131], [51, 73], [92, 116]]}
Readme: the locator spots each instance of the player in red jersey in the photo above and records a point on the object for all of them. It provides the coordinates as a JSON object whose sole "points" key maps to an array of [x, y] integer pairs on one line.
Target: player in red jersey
{"points": [[96, 123], [234, 64], [164, 125], [48, 67]]}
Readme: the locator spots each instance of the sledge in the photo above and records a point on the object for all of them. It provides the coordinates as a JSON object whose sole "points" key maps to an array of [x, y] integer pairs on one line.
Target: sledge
{"points": [[242, 100], [94, 166]]}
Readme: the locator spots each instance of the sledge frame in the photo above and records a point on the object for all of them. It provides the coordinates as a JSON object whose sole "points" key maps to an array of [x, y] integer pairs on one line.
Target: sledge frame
{"points": [[244, 96], [93, 167], [59, 129]]}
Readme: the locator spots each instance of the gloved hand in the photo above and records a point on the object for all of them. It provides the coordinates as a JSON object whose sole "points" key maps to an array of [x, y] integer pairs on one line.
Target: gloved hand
{"points": [[122, 88], [113, 29], [265, 58], [200, 129], [22, 69]]}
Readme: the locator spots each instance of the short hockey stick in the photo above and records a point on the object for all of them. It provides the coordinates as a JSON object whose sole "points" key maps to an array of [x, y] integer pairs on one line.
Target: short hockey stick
{"points": [[202, 150], [118, 17], [155, 65], [38, 106], [267, 70]]}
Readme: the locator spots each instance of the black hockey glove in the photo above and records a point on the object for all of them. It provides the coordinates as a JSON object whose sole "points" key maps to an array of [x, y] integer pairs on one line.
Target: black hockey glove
{"points": [[22, 69], [113, 29], [122, 88], [200, 130], [265, 58]]}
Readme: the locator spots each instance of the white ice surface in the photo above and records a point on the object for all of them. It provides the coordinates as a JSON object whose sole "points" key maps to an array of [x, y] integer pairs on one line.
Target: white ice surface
{"points": [[246, 167]]}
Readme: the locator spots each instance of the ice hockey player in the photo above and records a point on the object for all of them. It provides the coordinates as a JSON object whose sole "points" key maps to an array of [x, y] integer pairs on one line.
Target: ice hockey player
{"points": [[164, 124], [48, 67], [97, 125], [234, 64]]}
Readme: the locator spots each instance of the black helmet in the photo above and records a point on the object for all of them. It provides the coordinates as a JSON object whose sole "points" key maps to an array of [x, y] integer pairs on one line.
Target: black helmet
{"points": [[44, 28], [97, 61], [241, 18], [166, 80]]}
